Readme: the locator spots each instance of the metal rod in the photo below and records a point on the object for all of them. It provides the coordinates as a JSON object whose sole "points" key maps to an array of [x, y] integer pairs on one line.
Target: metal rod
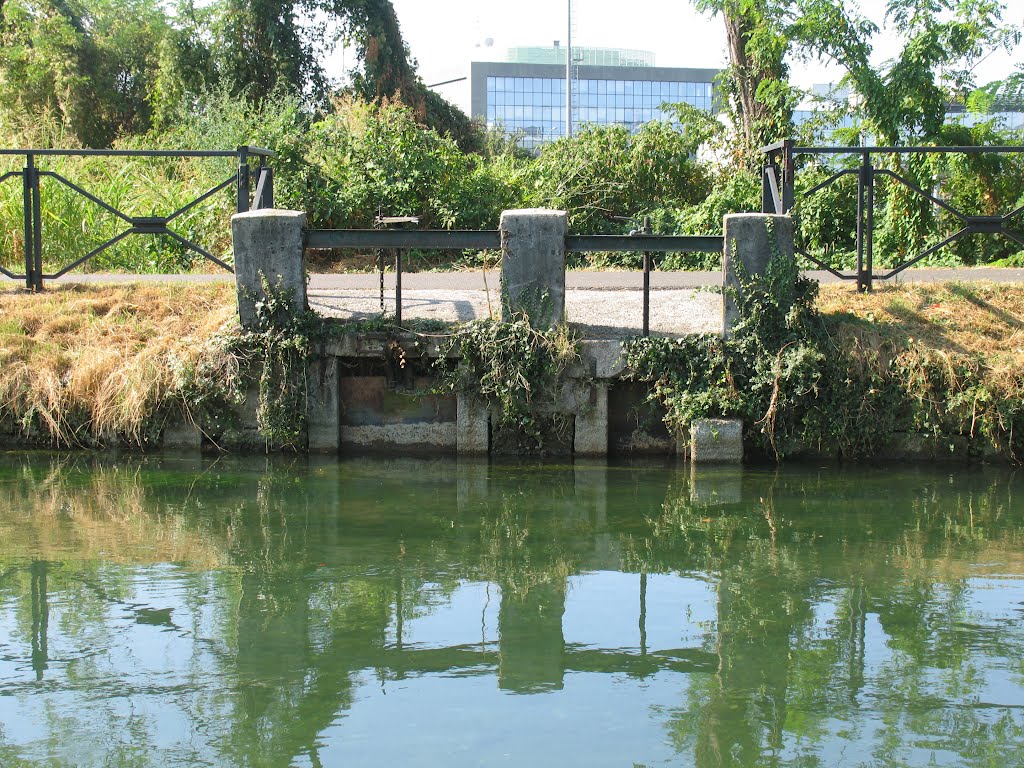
{"points": [[398, 286], [37, 224], [647, 281], [924, 254], [905, 150], [27, 211], [200, 250], [860, 223], [95, 251], [910, 185], [223, 185], [386, 239], [568, 75], [242, 198], [833, 178], [788, 177], [86, 194], [136, 152], [8, 175], [656, 243], [822, 265], [870, 227], [1012, 235]]}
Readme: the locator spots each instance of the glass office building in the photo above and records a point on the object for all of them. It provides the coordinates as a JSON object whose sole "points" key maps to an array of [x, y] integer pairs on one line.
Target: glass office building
{"points": [[529, 99]]}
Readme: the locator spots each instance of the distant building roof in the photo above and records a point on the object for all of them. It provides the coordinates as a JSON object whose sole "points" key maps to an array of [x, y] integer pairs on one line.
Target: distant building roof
{"points": [[600, 57]]}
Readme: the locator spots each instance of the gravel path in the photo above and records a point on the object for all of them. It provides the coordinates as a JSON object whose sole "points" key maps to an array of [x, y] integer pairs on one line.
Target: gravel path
{"points": [[596, 313]]}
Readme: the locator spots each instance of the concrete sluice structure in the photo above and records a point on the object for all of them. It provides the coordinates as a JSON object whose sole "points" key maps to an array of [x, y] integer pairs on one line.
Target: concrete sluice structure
{"points": [[366, 389]]}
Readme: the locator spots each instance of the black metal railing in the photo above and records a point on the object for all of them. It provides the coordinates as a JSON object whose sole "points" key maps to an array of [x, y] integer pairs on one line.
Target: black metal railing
{"points": [[31, 175], [778, 195], [398, 241]]}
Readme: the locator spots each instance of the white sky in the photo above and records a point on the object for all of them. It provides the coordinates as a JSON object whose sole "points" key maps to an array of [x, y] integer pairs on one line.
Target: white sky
{"points": [[445, 35]]}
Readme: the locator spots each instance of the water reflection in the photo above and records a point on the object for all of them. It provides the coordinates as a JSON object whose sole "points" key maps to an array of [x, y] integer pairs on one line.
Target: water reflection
{"points": [[256, 612]]}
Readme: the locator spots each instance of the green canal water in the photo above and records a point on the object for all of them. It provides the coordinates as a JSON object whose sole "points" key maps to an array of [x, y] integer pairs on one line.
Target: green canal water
{"points": [[242, 612]]}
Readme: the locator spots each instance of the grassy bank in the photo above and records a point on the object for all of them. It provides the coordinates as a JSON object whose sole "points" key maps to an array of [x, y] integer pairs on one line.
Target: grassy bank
{"points": [[82, 366], [102, 365]]}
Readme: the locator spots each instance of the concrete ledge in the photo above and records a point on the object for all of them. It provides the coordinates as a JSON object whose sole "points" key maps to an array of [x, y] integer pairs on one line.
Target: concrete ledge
{"points": [[424, 437], [716, 441]]}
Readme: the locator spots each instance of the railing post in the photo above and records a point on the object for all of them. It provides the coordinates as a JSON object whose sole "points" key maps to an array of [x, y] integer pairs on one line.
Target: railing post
{"points": [[865, 219], [33, 227], [788, 177], [26, 179], [242, 204], [647, 281]]}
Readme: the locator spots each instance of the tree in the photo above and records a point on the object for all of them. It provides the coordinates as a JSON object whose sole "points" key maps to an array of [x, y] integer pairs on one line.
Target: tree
{"points": [[903, 98], [85, 64], [759, 98]]}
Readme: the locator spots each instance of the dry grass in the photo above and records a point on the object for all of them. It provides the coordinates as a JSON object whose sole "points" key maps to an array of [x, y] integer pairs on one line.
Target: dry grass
{"points": [[97, 362], [952, 318]]}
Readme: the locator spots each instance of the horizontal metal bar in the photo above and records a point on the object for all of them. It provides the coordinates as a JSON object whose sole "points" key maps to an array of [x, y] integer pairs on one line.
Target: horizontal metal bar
{"points": [[830, 179], [133, 152], [443, 239], [89, 255], [773, 147], [89, 195], [256, 151], [657, 243], [903, 150]]}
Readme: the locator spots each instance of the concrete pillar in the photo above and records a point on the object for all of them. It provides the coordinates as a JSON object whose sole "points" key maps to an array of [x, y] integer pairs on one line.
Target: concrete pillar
{"points": [[716, 441], [590, 437], [473, 426], [323, 405], [533, 265], [268, 244], [752, 240]]}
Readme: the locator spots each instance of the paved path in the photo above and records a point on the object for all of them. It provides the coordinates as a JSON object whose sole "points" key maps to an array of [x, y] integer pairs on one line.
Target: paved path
{"points": [[600, 304]]}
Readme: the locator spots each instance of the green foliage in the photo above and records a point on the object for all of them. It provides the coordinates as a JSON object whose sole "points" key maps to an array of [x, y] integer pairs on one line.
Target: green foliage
{"points": [[374, 158], [604, 172], [520, 372]]}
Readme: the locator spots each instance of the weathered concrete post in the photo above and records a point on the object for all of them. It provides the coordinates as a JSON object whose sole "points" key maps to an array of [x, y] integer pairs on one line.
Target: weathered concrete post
{"points": [[751, 241], [533, 265], [268, 244]]}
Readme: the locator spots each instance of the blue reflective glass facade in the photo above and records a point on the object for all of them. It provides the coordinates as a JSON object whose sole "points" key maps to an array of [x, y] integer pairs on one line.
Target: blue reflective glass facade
{"points": [[535, 106]]}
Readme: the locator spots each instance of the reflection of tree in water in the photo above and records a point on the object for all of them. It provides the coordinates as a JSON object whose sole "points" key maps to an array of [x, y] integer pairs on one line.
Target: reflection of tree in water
{"points": [[316, 578], [786, 680]]}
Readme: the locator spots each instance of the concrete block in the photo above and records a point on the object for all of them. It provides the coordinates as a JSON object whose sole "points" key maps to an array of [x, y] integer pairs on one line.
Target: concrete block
{"points": [[603, 358], [323, 405], [590, 436], [716, 441], [270, 244], [473, 426], [751, 241], [533, 265]]}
